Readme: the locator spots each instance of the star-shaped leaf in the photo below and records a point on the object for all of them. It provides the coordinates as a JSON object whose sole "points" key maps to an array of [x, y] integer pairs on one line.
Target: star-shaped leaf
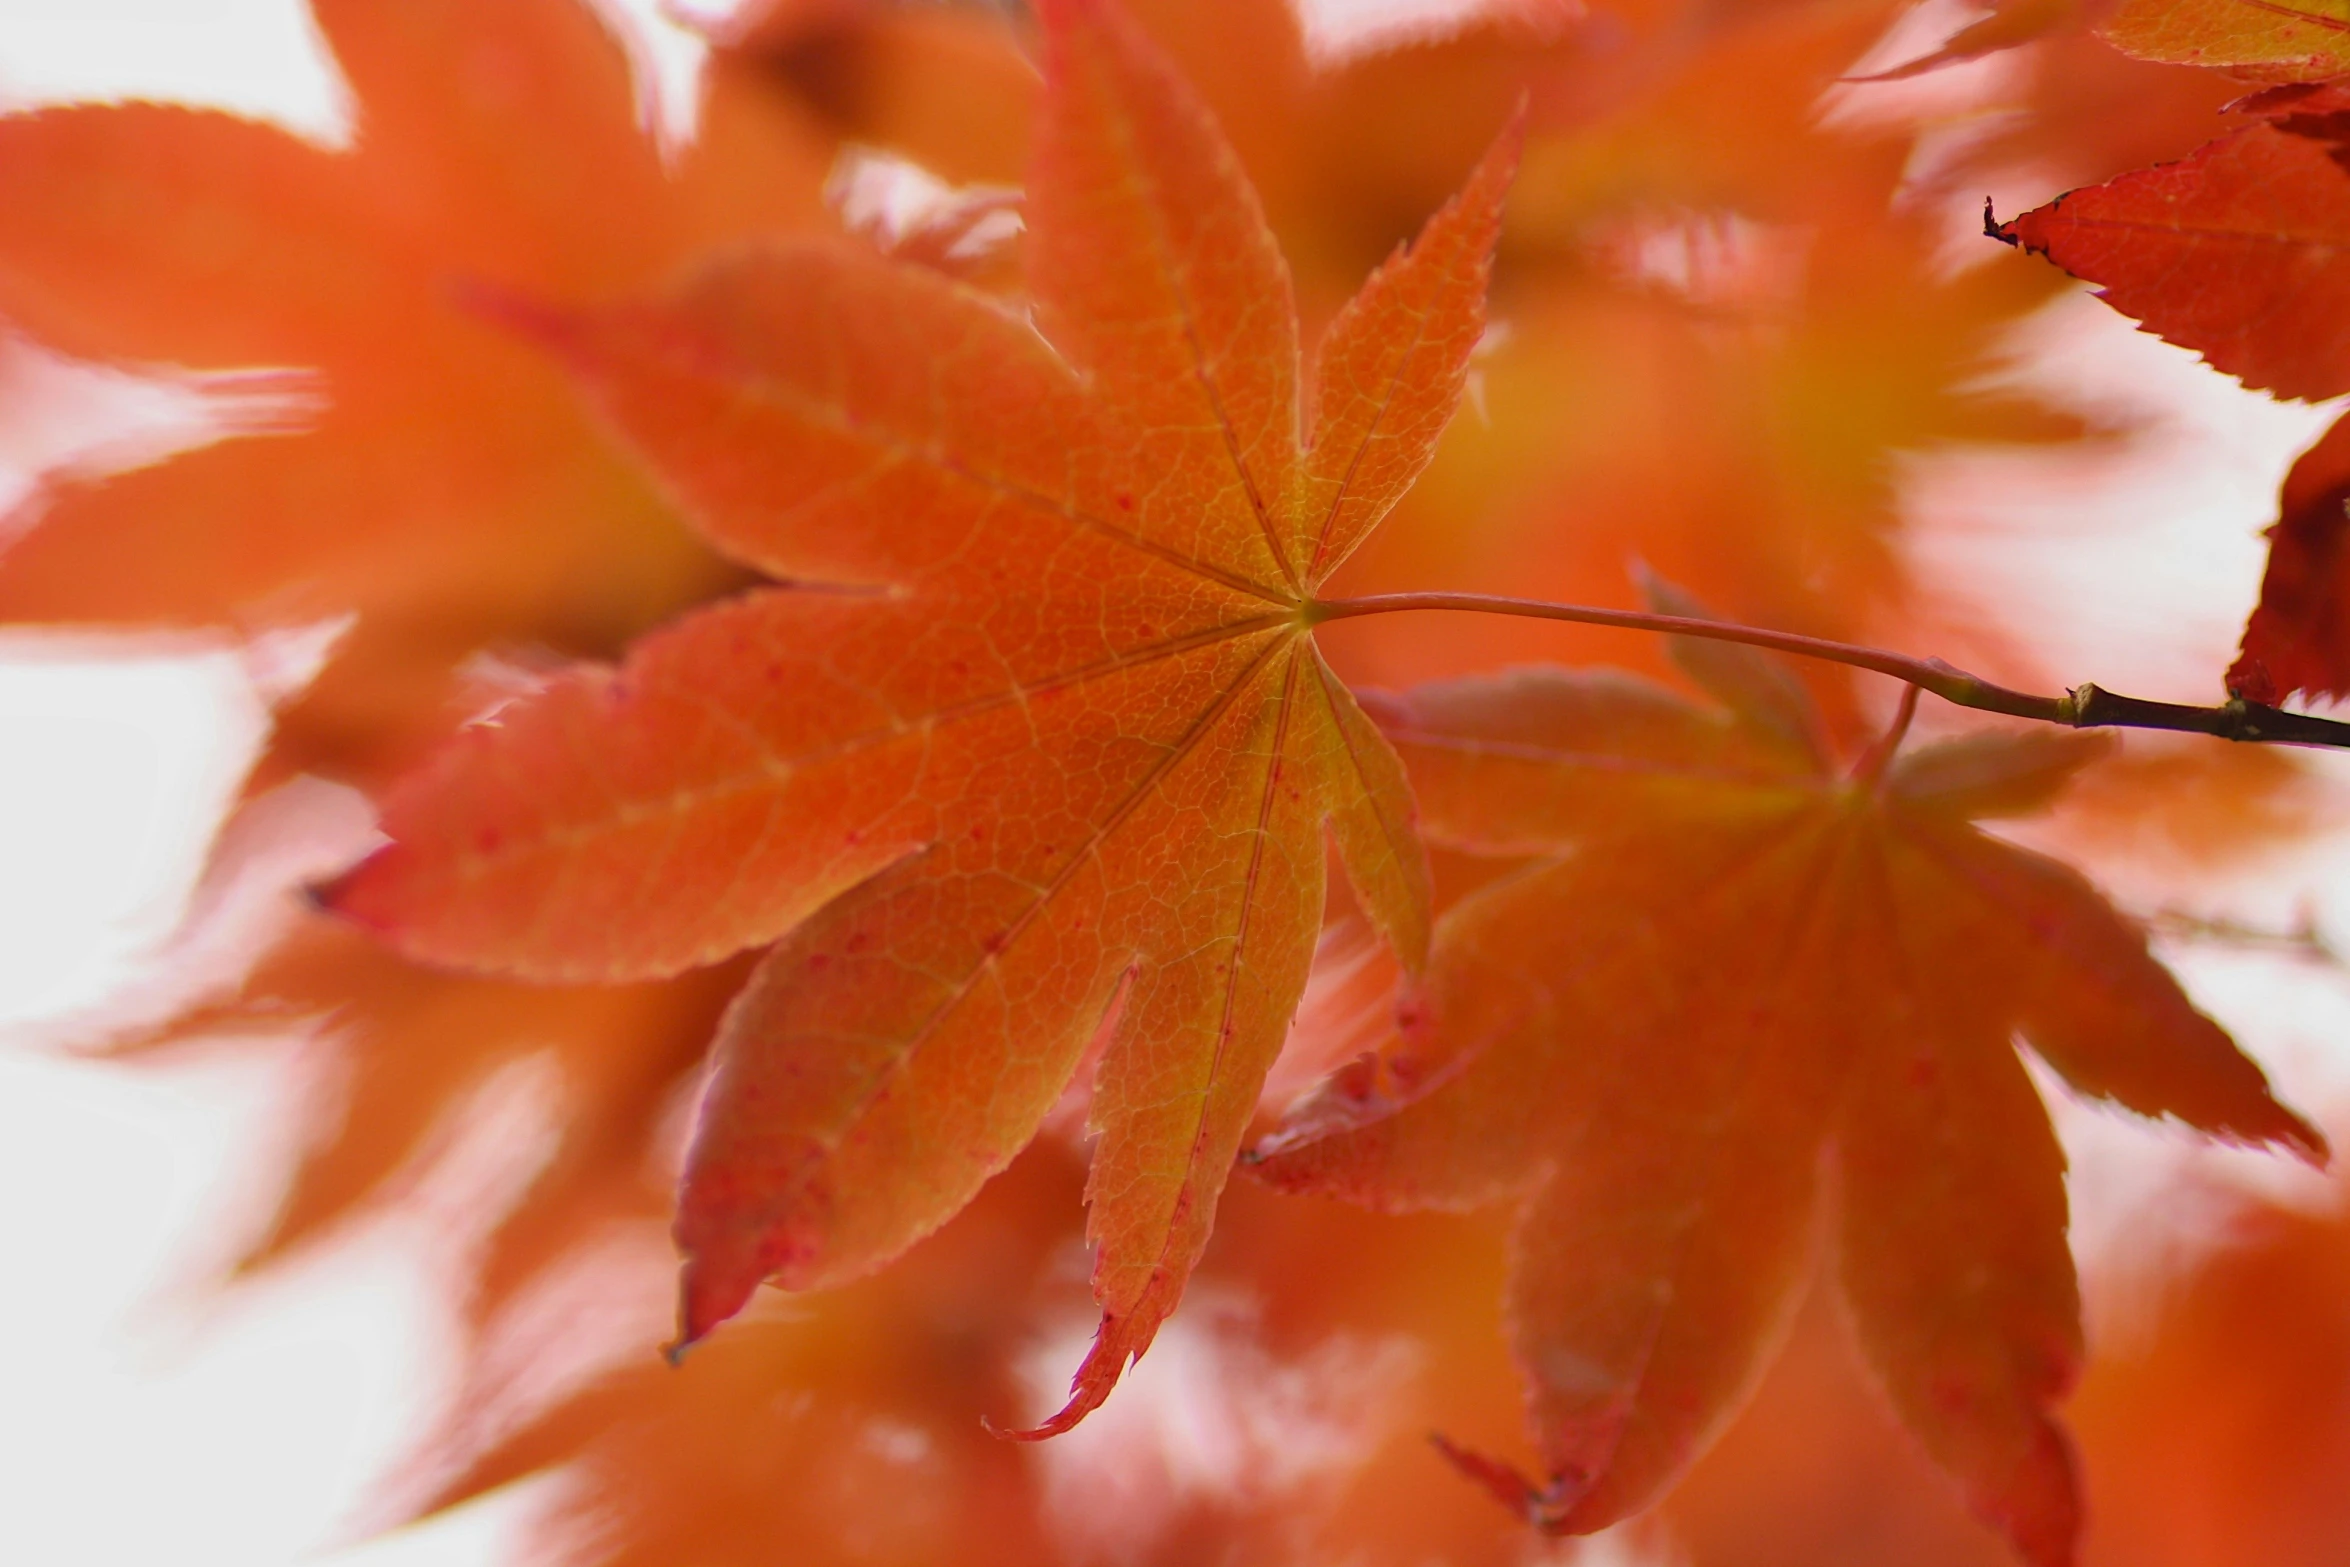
{"points": [[1036, 751], [1731, 992], [450, 493]]}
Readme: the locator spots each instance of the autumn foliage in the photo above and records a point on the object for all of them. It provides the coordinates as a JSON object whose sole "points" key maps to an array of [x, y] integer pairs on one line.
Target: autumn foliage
{"points": [[935, 728]]}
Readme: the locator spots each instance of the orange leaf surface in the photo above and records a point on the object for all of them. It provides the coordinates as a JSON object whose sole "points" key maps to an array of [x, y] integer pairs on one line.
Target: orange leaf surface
{"points": [[450, 492], [1730, 996], [2240, 252], [2267, 40], [1739, 438], [1048, 754], [2256, 1345], [841, 1431], [396, 1053]]}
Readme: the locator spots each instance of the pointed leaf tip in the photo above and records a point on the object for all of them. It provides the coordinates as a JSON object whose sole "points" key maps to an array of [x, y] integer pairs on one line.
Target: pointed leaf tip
{"points": [[1546, 1507], [1114, 1348], [1392, 367], [2305, 1141], [1994, 229], [320, 896], [343, 896], [709, 1293]]}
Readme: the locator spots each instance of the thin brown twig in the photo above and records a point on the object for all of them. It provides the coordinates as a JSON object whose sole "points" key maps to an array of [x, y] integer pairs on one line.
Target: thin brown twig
{"points": [[2083, 707], [2302, 939]]}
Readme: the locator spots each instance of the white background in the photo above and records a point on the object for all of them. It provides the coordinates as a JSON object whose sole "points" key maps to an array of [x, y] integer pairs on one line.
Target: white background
{"points": [[145, 1417]]}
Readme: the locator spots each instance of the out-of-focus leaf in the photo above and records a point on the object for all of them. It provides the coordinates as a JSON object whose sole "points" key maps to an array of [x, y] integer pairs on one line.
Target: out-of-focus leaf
{"points": [[2265, 40], [2009, 24], [451, 493], [1730, 961], [2220, 1430], [2299, 636], [844, 1430]]}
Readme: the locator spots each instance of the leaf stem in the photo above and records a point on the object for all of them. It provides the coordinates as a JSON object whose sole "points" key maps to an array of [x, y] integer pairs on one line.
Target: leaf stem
{"points": [[1870, 769], [2084, 707]]}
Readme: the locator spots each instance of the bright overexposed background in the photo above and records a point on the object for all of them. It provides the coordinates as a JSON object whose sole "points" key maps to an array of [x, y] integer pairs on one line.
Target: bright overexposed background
{"points": [[147, 1416]]}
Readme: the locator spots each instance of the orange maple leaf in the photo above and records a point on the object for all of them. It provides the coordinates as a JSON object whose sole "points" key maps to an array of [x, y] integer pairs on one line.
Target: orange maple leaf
{"points": [[1051, 755], [450, 493], [840, 1432], [2245, 1386], [395, 1053], [2263, 40], [1721, 958], [2008, 24]]}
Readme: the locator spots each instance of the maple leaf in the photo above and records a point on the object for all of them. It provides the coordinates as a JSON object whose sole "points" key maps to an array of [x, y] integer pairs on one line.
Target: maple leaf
{"points": [[1742, 443], [1052, 753], [2261, 40], [1721, 958], [949, 87], [2257, 1344], [862, 1400], [1737, 408], [2266, 40], [451, 494], [838, 1432], [2078, 111], [2008, 24], [395, 1052], [2237, 251], [2298, 638], [392, 1059]]}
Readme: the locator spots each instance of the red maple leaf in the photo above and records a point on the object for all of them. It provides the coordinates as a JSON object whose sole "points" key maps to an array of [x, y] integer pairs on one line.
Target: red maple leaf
{"points": [[1728, 991], [1037, 752]]}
